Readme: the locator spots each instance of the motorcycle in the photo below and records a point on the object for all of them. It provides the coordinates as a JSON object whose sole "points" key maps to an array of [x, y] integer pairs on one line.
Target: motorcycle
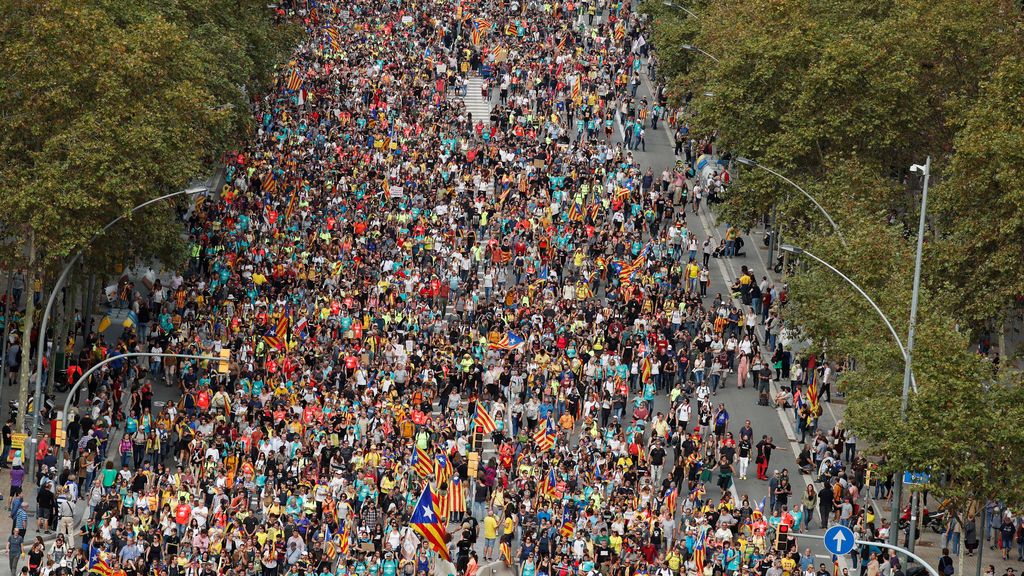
{"points": [[934, 520]]}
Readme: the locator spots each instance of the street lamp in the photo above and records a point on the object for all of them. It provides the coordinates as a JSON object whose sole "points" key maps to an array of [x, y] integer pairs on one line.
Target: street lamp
{"points": [[926, 170], [41, 342], [104, 362], [669, 4], [895, 336], [754, 164], [692, 48]]}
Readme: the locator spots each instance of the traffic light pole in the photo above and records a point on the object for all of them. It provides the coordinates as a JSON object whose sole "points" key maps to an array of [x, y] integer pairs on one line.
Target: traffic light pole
{"points": [[931, 569]]}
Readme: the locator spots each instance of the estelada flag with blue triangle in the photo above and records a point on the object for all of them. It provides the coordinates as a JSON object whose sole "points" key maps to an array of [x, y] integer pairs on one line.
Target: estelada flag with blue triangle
{"points": [[428, 524], [443, 469], [507, 342], [545, 436], [422, 463]]}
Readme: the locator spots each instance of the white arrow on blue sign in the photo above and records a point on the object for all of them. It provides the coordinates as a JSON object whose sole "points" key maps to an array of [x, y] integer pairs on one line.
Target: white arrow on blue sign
{"points": [[916, 477], [839, 540]]}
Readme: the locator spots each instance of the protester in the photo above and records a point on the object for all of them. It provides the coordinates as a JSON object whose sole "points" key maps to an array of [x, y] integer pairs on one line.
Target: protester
{"points": [[415, 296]]}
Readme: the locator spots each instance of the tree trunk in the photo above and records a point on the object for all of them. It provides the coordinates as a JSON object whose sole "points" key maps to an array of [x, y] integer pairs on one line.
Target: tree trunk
{"points": [[7, 331], [1002, 341], [56, 343], [87, 306], [26, 336]]}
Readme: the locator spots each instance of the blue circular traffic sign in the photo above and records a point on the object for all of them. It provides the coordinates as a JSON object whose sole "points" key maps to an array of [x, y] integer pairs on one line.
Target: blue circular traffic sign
{"points": [[839, 540]]}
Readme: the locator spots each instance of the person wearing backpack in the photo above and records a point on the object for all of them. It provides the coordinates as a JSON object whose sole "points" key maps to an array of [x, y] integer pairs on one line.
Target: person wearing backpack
{"points": [[945, 563]]}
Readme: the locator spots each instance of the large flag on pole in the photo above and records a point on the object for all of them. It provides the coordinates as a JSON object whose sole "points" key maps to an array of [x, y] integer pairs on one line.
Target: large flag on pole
{"points": [[426, 522]]}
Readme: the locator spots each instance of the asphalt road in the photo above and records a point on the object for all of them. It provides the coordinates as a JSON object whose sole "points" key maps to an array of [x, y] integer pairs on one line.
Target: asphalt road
{"points": [[741, 403]]}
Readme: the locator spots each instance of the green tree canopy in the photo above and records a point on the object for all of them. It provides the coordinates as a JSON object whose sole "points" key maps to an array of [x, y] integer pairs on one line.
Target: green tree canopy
{"points": [[108, 104]]}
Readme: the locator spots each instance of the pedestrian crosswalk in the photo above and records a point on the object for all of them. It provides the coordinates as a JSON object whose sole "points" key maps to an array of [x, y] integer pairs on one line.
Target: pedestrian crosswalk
{"points": [[476, 104]]}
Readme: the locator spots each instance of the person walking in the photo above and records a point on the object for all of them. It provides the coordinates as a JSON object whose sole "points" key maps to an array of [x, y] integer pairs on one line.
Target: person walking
{"points": [[825, 498], [810, 502], [14, 550]]}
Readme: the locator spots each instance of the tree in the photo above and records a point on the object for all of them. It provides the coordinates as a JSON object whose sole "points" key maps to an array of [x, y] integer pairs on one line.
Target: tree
{"points": [[808, 86], [980, 255], [109, 104]]}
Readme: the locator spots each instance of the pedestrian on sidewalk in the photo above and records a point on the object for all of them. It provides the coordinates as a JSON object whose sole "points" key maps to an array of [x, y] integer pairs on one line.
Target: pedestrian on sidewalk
{"points": [[14, 550]]}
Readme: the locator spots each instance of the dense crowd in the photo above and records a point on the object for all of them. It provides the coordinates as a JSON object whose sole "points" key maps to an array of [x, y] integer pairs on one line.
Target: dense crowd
{"points": [[385, 269]]}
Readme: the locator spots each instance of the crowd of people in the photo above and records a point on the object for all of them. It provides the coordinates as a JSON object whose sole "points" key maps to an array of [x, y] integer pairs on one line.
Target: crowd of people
{"points": [[384, 269]]}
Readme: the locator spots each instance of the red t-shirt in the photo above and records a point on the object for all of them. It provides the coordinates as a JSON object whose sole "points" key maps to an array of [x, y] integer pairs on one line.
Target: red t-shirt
{"points": [[182, 513]]}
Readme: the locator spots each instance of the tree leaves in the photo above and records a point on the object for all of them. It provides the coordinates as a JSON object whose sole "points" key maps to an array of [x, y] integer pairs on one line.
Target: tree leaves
{"points": [[981, 254], [806, 86], [108, 104]]}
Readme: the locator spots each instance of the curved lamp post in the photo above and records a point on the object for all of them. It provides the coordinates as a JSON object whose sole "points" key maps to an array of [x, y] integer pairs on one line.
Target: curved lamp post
{"points": [[104, 362], [895, 336], [41, 341], [669, 4], [754, 164], [692, 48]]}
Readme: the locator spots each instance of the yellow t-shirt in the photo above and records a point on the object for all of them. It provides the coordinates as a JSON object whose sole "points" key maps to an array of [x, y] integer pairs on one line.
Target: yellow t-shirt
{"points": [[615, 541], [490, 527]]}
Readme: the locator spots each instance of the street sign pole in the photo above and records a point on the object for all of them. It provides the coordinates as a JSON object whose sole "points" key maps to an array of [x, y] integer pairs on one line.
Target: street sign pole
{"points": [[931, 569]]}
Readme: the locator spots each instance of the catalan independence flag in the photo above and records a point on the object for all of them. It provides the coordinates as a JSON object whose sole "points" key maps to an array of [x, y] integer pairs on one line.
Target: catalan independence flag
{"points": [[422, 463], [628, 270], [507, 342], [699, 550], [294, 80], [671, 497], [443, 469], [545, 436], [277, 336], [346, 539], [268, 183], [576, 212], [568, 528], [335, 38], [291, 205], [101, 568], [455, 499], [475, 32], [428, 524]]}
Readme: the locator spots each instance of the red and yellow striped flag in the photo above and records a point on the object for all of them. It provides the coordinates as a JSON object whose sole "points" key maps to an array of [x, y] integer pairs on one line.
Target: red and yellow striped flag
{"points": [[427, 523], [484, 420], [294, 80]]}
